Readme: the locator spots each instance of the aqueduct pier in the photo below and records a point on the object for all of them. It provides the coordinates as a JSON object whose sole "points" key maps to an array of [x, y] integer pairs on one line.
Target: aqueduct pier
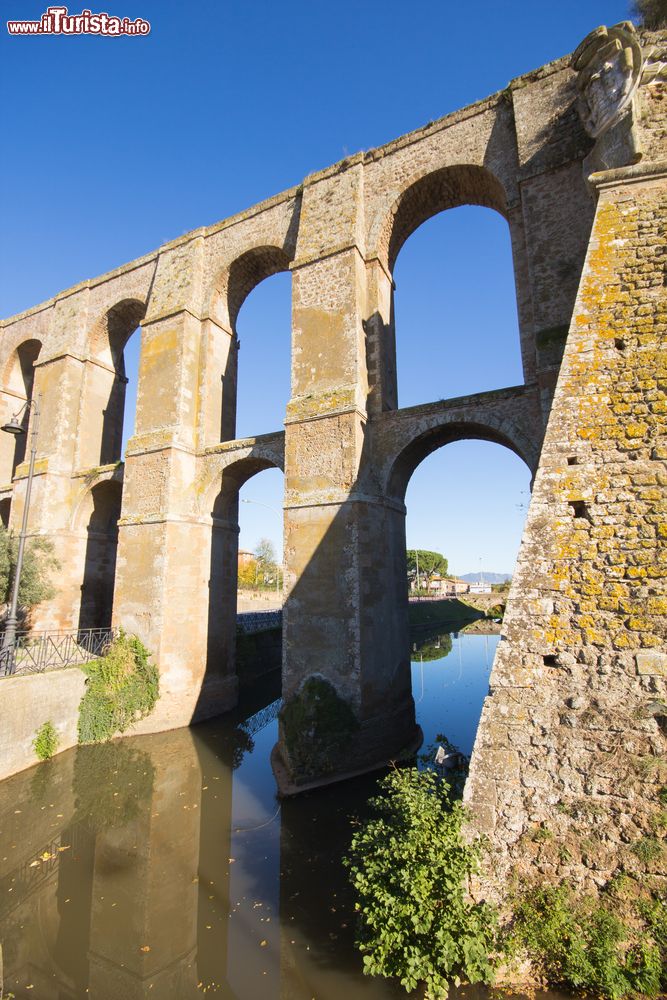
{"points": [[573, 156]]}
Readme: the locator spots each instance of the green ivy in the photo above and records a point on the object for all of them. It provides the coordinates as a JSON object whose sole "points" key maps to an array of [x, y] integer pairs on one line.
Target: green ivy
{"points": [[45, 742], [584, 945], [410, 867], [121, 687]]}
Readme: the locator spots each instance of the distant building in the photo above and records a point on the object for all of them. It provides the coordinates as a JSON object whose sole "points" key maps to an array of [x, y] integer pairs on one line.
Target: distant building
{"points": [[447, 586], [480, 588], [245, 558]]}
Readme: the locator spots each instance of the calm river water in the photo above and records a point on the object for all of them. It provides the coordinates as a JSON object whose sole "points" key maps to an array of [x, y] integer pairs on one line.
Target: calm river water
{"points": [[164, 867]]}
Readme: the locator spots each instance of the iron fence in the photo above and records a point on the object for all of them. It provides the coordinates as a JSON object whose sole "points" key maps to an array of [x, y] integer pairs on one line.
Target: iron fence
{"points": [[37, 652]]}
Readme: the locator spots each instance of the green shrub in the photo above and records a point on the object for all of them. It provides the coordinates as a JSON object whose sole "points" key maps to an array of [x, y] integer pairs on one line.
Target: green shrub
{"points": [[122, 686], [648, 849], [410, 867], [581, 944], [45, 742]]}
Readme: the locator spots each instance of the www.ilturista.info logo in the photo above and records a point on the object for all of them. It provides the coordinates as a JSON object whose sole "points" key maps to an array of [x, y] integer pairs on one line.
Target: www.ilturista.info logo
{"points": [[57, 21]]}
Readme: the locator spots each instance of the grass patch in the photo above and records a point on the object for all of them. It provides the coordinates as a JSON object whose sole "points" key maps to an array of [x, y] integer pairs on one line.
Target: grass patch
{"points": [[453, 613], [45, 742], [583, 944], [121, 687]]}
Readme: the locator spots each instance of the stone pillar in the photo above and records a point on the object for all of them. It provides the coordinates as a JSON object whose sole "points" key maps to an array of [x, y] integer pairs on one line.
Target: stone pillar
{"points": [[58, 383], [164, 552], [346, 682], [575, 714]]}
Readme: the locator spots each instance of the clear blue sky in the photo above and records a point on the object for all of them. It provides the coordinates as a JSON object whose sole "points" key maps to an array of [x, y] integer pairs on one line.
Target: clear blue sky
{"points": [[113, 146]]}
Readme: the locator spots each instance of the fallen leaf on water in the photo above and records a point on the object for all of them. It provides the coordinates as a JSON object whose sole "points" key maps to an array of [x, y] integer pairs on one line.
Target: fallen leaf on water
{"points": [[263, 943], [64, 847], [145, 948]]}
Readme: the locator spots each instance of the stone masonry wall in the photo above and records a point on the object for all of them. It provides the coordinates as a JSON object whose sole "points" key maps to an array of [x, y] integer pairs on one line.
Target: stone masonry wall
{"points": [[570, 752]]}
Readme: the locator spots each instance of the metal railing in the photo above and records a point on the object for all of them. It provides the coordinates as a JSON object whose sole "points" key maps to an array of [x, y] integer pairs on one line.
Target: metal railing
{"points": [[37, 652]]}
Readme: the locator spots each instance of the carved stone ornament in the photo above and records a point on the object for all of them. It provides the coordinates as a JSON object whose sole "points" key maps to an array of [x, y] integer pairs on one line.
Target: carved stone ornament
{"points": [[611, 65]]}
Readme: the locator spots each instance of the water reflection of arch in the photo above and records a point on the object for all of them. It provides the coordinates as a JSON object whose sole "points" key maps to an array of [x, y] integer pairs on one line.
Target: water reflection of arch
{"points": [[97, 513], [227, 471]]}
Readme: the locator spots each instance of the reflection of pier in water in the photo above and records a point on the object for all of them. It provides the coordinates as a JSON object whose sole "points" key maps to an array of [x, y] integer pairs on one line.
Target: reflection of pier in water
{"points": [[122, 888], [163, 867]]}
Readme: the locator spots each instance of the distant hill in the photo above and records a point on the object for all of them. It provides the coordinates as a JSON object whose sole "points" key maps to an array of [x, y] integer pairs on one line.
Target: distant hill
{"points": [[487, 577]]}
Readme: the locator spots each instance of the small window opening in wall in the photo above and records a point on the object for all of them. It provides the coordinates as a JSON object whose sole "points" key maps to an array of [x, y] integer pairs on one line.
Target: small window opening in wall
{"points": [[573, 460], [579, 509], [550, 660]]}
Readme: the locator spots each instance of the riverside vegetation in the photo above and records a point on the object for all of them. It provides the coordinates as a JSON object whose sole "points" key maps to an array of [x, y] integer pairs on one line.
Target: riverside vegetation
{"points": [[121, 687], [410, 867]]}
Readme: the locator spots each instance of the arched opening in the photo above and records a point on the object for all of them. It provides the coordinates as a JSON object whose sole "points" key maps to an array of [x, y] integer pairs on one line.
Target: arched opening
{"points": [[455, 305], [447, 326], [264, 326], [102, 509], [5, 511], [108, 406], [466, 502], [249, 644], [18, 390], [250, 310]]}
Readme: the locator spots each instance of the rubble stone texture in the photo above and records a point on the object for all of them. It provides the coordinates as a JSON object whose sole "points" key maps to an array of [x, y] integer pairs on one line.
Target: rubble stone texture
{"points": [[574, 710]]}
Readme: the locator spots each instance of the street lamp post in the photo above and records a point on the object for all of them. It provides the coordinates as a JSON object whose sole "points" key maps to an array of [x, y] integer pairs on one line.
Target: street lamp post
{"points": [[275, 510], [15, 428]]}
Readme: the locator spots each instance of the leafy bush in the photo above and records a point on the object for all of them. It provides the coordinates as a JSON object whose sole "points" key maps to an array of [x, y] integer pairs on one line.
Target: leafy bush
{"points": [[410, 867], [122, 686], [45, 742], [583, 945], [38, 564]]}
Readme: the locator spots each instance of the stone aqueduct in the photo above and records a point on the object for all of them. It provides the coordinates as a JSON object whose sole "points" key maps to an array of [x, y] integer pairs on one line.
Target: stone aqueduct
{"points": [[159, 532]]}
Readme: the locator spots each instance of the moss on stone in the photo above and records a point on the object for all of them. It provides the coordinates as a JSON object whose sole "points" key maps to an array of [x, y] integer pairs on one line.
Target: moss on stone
{"points": [[317, 726]]}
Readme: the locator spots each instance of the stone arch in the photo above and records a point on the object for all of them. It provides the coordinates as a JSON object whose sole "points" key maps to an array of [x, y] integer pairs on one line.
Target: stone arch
{"points": [[17, 389], [442, 432], [398, 216], [238, 280], [98, 514], [429, 194], [232, 287], [112, 330], [103, 399], [223, 576]]}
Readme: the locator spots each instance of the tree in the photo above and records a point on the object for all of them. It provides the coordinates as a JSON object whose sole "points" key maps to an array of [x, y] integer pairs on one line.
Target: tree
{"points": [[38, 563], [430, 563], [248, 573], [266, 555], [651, 14]]}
